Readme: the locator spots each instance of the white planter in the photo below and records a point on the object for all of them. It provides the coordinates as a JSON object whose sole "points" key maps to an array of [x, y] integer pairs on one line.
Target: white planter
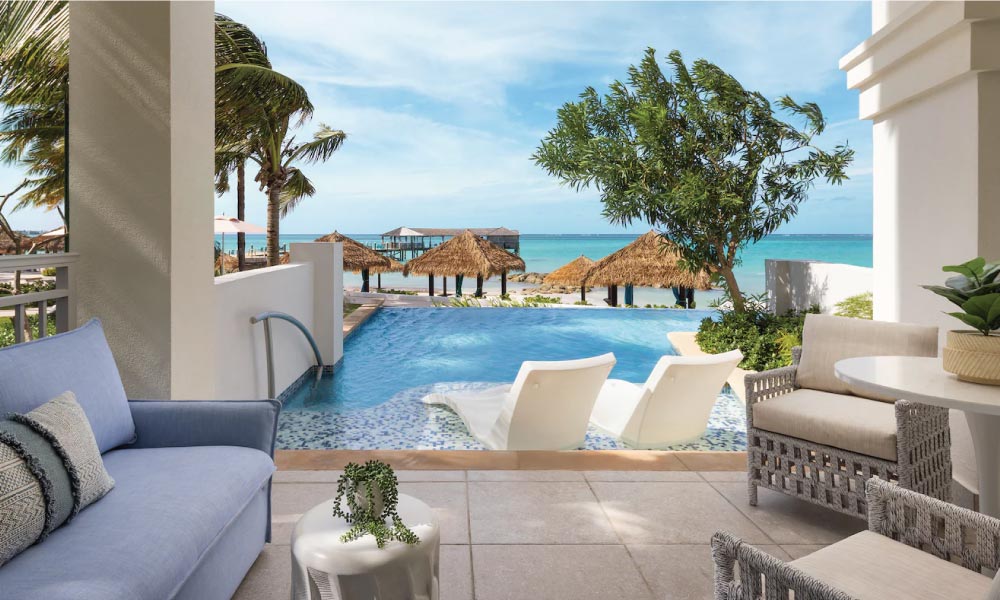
{"points": [[973, 357], [361, 498]]}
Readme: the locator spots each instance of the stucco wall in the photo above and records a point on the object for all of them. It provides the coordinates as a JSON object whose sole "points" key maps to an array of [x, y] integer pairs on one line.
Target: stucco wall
{"points": [[799, 284], [140, 187], [241, 372]]}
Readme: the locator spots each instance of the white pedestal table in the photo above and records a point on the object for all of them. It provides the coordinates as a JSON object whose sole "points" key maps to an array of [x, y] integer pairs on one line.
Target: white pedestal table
{"points": [[324, 568]]}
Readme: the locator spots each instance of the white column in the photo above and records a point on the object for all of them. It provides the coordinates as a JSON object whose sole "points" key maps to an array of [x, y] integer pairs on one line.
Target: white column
{"points": [[140, 194], [327, 259], [929, 80]]}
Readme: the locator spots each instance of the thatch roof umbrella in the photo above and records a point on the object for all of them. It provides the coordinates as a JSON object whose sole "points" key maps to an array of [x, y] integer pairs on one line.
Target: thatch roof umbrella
{"points": [[646, 263], [466, 254], [572, 273], [358, 258], [394, 267]]}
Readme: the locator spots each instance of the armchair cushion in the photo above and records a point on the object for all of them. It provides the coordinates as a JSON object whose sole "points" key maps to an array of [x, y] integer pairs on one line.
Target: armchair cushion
{"points": [[847, 422], [78, 361], [869, 566], [827, 339]]}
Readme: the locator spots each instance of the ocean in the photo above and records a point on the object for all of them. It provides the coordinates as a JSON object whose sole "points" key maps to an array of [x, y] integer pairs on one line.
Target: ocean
{"points": [[544, 253]]}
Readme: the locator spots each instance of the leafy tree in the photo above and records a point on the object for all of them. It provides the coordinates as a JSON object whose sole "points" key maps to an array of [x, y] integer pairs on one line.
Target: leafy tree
{"points": [[34, 77], [694, 154], [256, 109]]}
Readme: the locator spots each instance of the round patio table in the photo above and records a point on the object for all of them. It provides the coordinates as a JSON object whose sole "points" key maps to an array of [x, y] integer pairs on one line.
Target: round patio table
{"points": [[923, 380], [325, 568]]}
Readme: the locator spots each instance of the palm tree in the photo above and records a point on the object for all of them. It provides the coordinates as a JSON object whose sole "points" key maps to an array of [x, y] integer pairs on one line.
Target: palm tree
{"points": [[256, 108], [34, 77]]}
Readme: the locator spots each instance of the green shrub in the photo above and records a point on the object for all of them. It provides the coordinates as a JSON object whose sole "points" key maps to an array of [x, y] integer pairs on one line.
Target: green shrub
{"points": [[856, 307], [7, 328], [766, 340], [539, 299], [397, 292], [49, 272]]}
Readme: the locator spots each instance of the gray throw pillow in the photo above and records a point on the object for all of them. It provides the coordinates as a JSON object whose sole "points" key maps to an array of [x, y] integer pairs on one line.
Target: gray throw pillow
{"points": [[22, 504], [64, 424]]}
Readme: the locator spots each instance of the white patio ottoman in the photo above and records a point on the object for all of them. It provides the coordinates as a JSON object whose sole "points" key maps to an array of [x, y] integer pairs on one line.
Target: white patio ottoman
{"points": [[324, 568]]}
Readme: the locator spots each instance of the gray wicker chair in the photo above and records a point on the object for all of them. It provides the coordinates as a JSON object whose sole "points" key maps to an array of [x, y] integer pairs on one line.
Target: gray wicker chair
{"points": [[915, 547], [816, 442]]}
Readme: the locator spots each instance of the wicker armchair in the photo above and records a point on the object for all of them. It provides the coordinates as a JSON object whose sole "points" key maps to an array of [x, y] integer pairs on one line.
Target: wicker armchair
{"points": [[808, 436], [915, 547]]}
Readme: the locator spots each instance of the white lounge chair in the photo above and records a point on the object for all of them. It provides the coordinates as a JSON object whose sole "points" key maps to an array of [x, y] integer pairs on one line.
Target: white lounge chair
{"points": [[673, 405], [547, 407]]}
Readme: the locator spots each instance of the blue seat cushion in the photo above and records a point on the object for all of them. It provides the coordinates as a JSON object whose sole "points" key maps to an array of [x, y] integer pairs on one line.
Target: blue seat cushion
{"points": [[142, 540], [77, 361]]}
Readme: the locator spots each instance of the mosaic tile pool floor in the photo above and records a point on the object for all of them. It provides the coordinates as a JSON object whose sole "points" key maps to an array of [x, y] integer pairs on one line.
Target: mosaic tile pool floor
{"points": [[405, 423]]}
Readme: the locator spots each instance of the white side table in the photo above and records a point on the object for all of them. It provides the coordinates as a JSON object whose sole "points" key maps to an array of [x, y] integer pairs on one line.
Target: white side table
{"points": [[923, 380], [324, 568]]}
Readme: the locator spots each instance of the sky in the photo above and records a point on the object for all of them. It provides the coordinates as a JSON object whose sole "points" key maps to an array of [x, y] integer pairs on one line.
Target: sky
{"points": [[444, 104]]}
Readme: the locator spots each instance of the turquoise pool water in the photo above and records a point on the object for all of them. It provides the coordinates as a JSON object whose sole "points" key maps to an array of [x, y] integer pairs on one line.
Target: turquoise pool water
{"points": [[402, 348]]}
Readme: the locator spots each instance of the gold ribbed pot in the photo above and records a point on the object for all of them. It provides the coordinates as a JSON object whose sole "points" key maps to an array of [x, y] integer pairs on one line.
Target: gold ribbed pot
{"points": [[973, 356]]}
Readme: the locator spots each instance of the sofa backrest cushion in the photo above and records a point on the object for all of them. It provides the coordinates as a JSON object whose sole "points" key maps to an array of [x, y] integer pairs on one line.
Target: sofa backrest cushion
{"points": [[827, 339], [78, 361]]}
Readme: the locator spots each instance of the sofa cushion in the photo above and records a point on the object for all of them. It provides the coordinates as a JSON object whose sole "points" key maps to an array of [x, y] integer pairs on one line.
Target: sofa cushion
{"points": [[847, 422], [145, 537], [827, 339], [79, 361], [869, 566]]}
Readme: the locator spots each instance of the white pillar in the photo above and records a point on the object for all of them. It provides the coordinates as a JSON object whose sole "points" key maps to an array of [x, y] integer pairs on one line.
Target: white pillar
{"points": [[327, 259], [140, 194], [929, 80]]}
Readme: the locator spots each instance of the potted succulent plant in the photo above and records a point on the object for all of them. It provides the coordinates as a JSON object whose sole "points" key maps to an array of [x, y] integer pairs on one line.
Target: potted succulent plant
{"points": [[367, 496], [973, 355]]}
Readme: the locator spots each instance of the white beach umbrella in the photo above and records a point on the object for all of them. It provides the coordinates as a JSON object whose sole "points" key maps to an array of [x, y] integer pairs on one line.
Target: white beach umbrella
{"points": [[224, 225], [55, 233]]}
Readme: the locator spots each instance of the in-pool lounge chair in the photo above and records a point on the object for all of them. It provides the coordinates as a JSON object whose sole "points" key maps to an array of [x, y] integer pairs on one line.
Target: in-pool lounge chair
{"points": [[673, 405], [546, 408]]}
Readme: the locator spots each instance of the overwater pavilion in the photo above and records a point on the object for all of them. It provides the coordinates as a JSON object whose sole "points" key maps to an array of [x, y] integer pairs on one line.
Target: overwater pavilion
{"points": [[404, 242]]}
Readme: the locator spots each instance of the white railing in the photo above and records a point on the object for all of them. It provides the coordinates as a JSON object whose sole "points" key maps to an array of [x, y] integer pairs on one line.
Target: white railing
{"points": [[62, 296]]}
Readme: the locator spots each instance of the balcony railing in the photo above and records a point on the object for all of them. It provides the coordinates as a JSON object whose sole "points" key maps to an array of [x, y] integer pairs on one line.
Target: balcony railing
{"points": [[62, 297]]}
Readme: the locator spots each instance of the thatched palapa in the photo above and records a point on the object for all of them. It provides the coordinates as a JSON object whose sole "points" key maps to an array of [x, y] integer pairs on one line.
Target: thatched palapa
{"points": [[357, 256], [394, 266], [572, 273], [649, 261], [465, 254]]}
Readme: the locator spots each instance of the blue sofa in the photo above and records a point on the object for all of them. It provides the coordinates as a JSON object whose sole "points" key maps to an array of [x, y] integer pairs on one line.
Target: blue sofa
{"points": [[190, 510]]}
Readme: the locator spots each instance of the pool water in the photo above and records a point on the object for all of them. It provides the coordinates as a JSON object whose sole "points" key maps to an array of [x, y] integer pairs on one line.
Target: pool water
{"points": [[402, 348]]}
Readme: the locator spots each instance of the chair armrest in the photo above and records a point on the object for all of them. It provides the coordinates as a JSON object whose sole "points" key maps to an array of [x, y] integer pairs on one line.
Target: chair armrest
{"points": [[169, 423], [767, 384], [779, 578], [934, 526], [923, 448]]}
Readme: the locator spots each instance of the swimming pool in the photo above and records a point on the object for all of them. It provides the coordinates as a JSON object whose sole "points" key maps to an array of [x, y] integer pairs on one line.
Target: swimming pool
{"points": [[401, 354], [400, 348]]}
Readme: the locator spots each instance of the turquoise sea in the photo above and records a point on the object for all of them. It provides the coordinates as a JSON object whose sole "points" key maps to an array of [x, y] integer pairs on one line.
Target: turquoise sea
{"points": [[544, 253]]}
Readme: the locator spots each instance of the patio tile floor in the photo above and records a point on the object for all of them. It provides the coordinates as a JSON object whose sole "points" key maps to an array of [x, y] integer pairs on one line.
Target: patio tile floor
{"points": [[574, 535]]}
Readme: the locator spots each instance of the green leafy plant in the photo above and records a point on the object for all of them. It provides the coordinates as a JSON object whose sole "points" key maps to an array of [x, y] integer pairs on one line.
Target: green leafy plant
{"points": [[539, 299], [766, 340], [856, 307], [397, 292], [371, 494], [690, 151], [975, 288], [582, 303]]}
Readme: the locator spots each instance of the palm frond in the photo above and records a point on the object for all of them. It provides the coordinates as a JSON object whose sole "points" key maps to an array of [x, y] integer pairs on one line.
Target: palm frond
{"points": [[297, 188], [325, 142]]}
